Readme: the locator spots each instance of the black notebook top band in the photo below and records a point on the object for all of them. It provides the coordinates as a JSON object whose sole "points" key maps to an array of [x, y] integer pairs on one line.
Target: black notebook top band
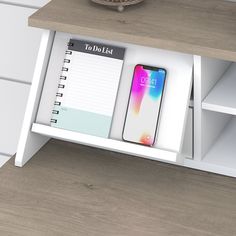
{"points": [[97, 49]]}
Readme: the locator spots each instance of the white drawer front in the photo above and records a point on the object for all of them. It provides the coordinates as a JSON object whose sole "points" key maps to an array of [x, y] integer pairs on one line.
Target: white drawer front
{"points": [[19, 43], [34, 3], [13, 99]]}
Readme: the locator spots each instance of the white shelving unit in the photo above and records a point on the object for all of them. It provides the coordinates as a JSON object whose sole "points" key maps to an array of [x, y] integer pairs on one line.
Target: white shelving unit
{"points": [[215, 121], [219, 110]]}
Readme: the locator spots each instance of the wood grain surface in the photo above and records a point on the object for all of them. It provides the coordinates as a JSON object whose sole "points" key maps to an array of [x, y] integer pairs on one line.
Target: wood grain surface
{"points": [[202, 27], [68, 189]]}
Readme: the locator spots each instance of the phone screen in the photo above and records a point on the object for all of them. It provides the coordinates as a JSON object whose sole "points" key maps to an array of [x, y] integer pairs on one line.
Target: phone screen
{"points": [[144, 105]]}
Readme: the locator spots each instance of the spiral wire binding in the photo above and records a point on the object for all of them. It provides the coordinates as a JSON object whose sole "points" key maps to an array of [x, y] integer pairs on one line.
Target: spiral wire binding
{"points": [[61, 85]]}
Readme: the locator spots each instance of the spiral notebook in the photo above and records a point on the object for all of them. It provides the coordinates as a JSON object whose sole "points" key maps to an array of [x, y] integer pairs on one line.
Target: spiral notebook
{"points": [[88, 88]]}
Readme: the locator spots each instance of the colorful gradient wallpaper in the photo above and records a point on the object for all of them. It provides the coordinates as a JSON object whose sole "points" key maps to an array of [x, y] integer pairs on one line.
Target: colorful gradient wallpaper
{"points": [[144, 105]]}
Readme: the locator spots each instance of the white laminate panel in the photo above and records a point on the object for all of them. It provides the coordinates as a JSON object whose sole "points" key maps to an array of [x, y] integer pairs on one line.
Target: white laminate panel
{"points": [[105, 143], [4, 159], [32, 3], [13, 99], [19, 43], [187, 148]]}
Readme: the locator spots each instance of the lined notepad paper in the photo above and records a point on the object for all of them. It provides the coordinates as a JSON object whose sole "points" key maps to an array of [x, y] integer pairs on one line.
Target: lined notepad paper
{"points": [[88, 87]]}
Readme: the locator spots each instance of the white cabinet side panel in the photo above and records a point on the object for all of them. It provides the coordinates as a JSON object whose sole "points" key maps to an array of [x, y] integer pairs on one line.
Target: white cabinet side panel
{"points": [[13, 99], [19, 43], [30, 143], [4, 159]]}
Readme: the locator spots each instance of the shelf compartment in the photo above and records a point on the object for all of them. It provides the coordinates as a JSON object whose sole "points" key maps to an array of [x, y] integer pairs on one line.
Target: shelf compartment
{"points": [[109, 144], [223, 152], [222, 98], [174, 104]]}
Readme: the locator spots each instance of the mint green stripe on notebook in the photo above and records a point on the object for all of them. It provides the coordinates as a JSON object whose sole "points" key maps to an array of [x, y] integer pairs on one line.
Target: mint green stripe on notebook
{"points": [[83, 122]]}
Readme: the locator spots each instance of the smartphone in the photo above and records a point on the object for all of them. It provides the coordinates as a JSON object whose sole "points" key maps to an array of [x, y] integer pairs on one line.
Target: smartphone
{"points": [[144, 105]]}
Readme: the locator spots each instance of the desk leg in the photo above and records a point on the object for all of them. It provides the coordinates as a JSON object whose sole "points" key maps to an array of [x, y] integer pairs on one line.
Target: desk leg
{"points": [[29, 142]]}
